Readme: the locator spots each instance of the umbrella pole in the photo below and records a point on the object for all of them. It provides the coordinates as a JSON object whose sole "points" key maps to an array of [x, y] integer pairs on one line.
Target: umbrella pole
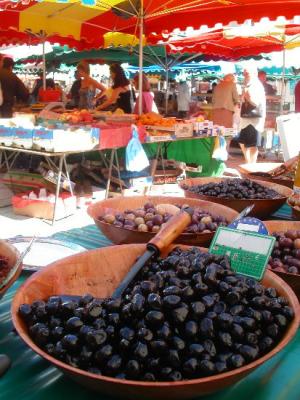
{"points": [[44, 66], [167, 81], [141, 26], [282, 81]]}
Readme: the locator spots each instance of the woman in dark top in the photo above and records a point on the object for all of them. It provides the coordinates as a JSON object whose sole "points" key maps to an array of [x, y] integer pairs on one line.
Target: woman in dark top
{"points": [[121, 94]]}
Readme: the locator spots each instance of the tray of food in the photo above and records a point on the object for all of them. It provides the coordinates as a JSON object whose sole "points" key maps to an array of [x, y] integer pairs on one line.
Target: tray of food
{"points": [[44, 251], [137, 219], [186, 325], [267, 197]]}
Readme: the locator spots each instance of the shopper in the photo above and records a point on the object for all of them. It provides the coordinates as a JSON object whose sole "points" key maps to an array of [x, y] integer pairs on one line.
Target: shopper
{"points": [[224, 101], [74, 91], [88, 87], [297, 97], [183, 99], [269, 89], [148, 103], [253, 114], [12, 88], [121, 94]]}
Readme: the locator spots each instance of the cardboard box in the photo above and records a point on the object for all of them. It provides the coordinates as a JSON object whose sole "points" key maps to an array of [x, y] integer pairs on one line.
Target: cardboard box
{"points": [[66, 205]]}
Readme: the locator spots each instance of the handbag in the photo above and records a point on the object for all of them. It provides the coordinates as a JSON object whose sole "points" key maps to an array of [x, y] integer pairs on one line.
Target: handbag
{"points": [[248, 110]]}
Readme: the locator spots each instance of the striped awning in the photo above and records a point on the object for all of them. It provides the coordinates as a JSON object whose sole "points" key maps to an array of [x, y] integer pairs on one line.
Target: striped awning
{"points": [[98, 23]]}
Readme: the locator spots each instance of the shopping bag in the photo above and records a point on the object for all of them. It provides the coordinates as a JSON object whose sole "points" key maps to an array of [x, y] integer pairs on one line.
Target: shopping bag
{"points": [[136, 158], [220, 152]]}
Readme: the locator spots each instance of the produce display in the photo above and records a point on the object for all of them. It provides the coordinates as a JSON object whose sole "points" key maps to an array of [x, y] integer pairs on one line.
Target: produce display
{"points": [[151, 218], [234, 189], [77, 116], [184, 317], [4, 268], [155, 119], [286, 253]]}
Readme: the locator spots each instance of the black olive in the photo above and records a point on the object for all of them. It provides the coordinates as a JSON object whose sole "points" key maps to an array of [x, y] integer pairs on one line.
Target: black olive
{"points": [[237, 361], [52, 307], [195, 349], [200, 289], [172, 290], [158, 346], [113, 305], [67, 308], [236, 310], [273, 330], [132, 369], [93, 310], [190, 366], [96, 338], [265, 344], [127, 333], [220, 307], [251, 338], [250, 353], [207, 367], [164, 332], [85, 356], [266, 316], [99, 323], [113, 364], [208, 301], [50, 348], [145, 334], [221, 367], [86, 299], [207, 328], [149, 377], [209, 347], [154, 301], [140, 351], [73, 324], [225, 339], [70, 342], [288, 312], [173, 358], [177, 343], [153, 363], [232, 297], [280, 320], [137, 303], [171, 301], [57, 333], [54, 322], [180, 314], [248, 323], [175, 376], [198, 309], [114, 319], [225, 320], [154, 318], [191, 329]]}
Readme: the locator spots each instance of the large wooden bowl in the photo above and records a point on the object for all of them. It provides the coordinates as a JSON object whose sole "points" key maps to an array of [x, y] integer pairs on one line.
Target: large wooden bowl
{"points": [[282, 226], [9, 251], [124, 236], [98, 272], [262, 208]]}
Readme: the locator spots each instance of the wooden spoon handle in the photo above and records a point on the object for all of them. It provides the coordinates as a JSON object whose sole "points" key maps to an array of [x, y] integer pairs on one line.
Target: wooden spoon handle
{"points": [[173, 228]]}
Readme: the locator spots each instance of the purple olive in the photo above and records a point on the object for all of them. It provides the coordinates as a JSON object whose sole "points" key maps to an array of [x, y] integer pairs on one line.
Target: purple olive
{"points": [[291, 234], [285, 242], [293, 270]]}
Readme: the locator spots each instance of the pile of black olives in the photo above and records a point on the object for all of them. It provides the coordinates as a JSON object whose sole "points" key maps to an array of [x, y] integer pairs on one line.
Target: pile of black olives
{"points": [[186, 316], [234, 189]]}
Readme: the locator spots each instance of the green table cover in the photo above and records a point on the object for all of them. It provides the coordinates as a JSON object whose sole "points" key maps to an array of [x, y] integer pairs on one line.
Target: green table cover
{"points": [[32, 378]]}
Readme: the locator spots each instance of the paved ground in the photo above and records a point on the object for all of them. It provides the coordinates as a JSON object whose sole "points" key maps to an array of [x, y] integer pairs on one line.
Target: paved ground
{"points": [[12, 225]]}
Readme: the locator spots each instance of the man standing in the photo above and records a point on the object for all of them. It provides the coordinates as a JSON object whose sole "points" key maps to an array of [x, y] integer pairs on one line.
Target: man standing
{"points": [[269, 89], [183, 99], [253, 114], [224, 100], [12, 88]]}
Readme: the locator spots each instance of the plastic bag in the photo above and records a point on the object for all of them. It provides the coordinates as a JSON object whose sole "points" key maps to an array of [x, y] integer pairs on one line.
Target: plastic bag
{"points": [[136, 158], [220, 152]]}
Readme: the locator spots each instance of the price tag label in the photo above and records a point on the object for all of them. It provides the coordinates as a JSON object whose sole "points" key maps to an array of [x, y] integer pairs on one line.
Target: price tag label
{"points": [[248, 252], [249, 224]]}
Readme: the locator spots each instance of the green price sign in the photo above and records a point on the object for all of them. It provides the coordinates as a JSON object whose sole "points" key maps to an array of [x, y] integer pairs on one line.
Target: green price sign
{"points": [[248, 252]]}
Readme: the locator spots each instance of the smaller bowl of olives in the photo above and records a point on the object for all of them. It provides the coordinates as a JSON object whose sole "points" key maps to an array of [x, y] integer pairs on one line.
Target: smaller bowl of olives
{"points": [[8, 257], [285, 258], [237, 193], [137, 219], [294, 202]]}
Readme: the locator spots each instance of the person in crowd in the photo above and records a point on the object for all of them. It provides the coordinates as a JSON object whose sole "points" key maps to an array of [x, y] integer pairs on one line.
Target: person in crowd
{"points": [[148, 103], [253, 114], [74, 91], [12, 88], [211, 92], [183, 99], [269, 89], [297, 97], [121, 94], [88, 86], [224, 101]]}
